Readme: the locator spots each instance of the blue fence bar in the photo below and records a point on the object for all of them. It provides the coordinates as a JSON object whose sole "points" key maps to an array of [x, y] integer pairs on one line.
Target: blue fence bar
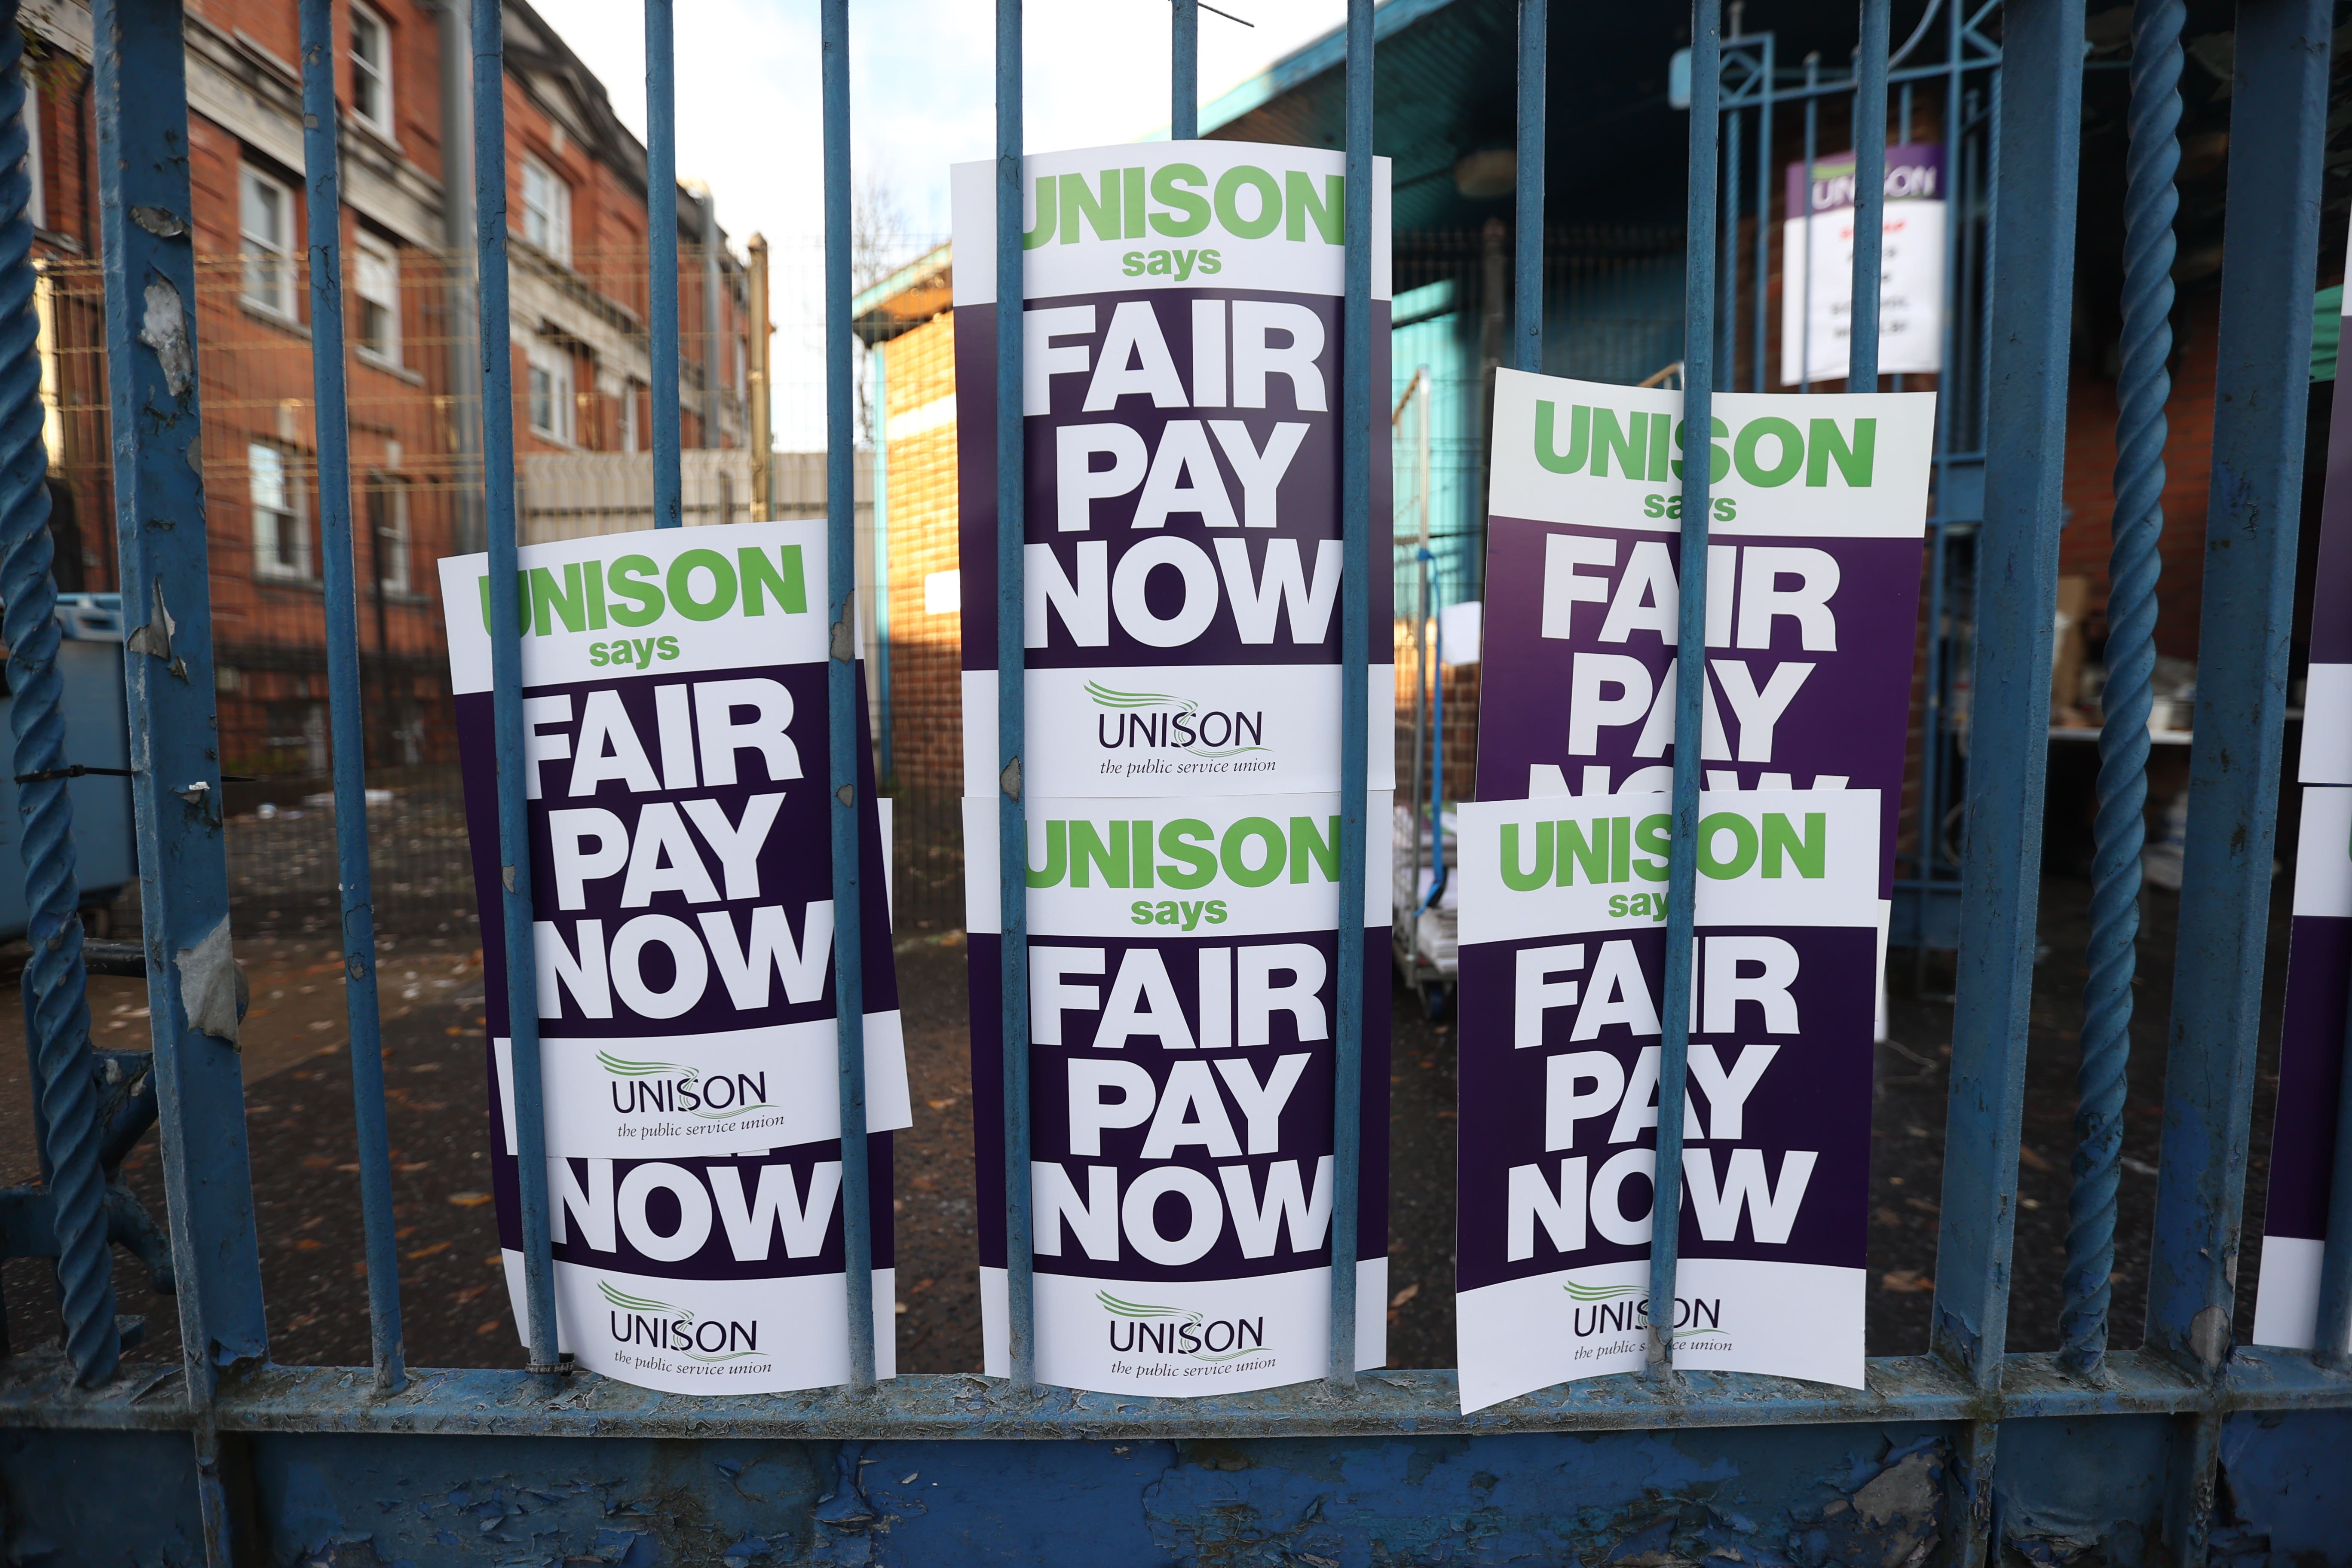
{"points": [[1527, 269], [2136, 530], [1184, 70], [1356, 411], [322, 176], [841, 695], [661, 255], [64, 1089], [152, 392], [1869, 195], [2037, 133], [1767, 92], [1690, 674], [506, 678], [1012, 698], [2278, 108]]}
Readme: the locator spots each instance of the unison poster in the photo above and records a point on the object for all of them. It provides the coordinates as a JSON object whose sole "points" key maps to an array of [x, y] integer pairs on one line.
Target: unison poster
{"points": [[1818, 505], [1563, 956], [2312, 1030], [1181, 331], [674, 761]]}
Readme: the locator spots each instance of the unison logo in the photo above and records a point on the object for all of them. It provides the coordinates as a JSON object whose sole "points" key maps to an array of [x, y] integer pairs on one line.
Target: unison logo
{"points": [[1179, 1331], [662, 1325], [671, 1089], [1606, 1310], [1155, 719]]}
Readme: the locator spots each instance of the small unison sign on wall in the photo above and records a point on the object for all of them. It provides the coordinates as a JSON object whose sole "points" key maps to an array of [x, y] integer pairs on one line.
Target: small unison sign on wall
{"points": [[1817, 268]]}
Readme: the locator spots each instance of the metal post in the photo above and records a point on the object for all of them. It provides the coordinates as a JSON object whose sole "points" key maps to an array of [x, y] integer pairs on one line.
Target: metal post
{"points": [[1184, 72], [1763, 211], [1805, 284], [714, 317], [2278, 109], [1356, 407], [1727, 310], [1011, 704], [2038, 129], [661, 232], [2136, 531], [841, 695], [761, 439], [1869, 195], [322, 175], [1690, 675], [887, 766], [1527, 266], [153, 402], [56, 1010], [505, 677]]}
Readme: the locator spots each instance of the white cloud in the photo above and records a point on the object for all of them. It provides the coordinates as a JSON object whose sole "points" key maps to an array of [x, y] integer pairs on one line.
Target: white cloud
{"points": [[922, 96]]}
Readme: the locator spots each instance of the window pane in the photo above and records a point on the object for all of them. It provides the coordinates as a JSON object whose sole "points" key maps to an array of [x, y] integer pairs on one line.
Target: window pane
{"points": [[542, 400], [266, 465], [379, 277]]}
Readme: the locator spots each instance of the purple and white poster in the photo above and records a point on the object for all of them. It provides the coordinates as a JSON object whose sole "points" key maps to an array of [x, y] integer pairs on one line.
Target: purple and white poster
{"points": [[1182, 345], [675, 763], [2312, 1030], [1563, 955], [1816, 263], [1819, 506]]}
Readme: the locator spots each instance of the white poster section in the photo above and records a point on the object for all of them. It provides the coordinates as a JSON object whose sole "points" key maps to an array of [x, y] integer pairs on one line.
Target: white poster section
{"points": [[1817, 269]]}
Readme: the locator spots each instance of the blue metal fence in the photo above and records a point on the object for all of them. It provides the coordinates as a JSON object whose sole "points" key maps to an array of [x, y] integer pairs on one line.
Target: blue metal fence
{"points": [[247, 1462]]}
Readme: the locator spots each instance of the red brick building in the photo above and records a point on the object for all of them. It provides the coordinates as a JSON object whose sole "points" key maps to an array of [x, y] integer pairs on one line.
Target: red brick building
{"points": [[578, 277]]}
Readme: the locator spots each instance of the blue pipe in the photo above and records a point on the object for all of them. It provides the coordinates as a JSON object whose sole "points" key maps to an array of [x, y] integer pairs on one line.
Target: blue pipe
{"points": [[1726, 312], [2278, 109], [887, 767], [1527, 271], [1763, 211], [1357, 412], [56, 1009], [661, 233], [841, 695], [1184, 70], [505, 677], [1869, 195], [2037, 130], [1690, 678], [322, 176], [1011, 709]]}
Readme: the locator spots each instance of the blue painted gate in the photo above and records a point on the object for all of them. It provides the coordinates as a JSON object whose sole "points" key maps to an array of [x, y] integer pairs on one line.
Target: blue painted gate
{"points": [[2193, 1449]]}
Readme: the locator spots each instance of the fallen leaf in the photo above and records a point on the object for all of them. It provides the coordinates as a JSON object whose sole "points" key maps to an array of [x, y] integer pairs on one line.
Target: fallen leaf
{"points": [[308, 1244], [317, 1162], [429, 1251], [1906, 1282], [492, 1327], [1407, 1294], [469, 1200], [2033, 1158]]}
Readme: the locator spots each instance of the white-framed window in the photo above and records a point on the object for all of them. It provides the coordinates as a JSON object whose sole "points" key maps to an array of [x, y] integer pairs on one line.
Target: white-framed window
{"points": [[630, 440], [265, 217], [282, 535], [370, 69], [377, 274], [546, 209], [387, 515], [550, 389], [37, 208]]}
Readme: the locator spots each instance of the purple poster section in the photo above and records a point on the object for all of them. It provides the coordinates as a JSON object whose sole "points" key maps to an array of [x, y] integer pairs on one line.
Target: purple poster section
{"points": [[1182, 327], [2312, 1032], [1817, 511], [1563, 956], [673, 704]]}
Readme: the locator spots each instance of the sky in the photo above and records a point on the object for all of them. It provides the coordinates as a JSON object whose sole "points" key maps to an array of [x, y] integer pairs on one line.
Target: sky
{"points": [[922, 96]]}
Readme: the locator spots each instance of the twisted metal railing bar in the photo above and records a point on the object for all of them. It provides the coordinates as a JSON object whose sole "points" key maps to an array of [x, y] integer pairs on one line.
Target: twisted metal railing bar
{"points": [[2149, 205], [56, 1004]]}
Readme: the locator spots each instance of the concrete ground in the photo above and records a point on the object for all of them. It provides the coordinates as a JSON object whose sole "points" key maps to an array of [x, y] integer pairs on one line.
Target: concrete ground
{"points": [[299, 1123]]}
